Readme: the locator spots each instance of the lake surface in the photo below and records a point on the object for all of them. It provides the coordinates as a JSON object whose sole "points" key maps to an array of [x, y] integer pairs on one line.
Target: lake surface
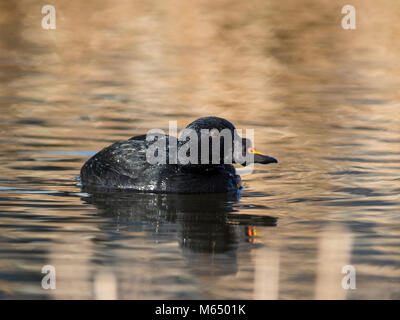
{"points": [[323, 100]]}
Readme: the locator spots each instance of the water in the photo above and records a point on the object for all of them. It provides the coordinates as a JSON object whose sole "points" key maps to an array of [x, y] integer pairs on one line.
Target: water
{"points": [[322, 100]]}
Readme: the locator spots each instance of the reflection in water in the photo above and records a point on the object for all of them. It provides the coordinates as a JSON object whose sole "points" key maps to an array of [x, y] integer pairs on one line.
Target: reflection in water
{"points": [[200, 236], [322, 99], [205, 222], [334, 253], [266, 275], [202, 223]]}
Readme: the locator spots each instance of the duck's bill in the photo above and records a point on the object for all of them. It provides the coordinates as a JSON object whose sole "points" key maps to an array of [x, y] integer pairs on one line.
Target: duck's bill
{"points": [[263, 158]]}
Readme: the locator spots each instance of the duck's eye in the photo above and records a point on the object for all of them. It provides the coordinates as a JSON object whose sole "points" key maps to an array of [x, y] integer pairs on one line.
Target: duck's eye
{"points": [[250, 150]]}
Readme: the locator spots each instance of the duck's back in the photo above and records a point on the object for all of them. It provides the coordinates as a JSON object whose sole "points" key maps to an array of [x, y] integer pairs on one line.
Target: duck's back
{"points": [[123, 165]]}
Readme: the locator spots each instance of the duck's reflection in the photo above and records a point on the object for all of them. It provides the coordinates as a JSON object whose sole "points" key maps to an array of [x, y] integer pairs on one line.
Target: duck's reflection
{"points": [[203, 222], [175, 239]]}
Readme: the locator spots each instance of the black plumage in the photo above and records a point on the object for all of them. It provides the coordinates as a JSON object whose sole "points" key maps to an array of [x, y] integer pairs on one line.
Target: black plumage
{"points": [[123, 165]]}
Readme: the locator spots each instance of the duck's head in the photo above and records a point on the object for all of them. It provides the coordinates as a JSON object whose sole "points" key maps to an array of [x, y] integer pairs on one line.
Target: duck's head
{"points": [[213, 131]]}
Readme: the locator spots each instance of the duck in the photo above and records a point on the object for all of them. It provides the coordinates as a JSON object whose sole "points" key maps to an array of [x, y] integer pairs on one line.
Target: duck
{"points": [[186, 165]]}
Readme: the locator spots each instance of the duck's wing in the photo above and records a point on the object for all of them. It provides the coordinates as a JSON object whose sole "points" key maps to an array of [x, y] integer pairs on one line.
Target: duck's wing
{"points": [[143, 137], [121, 165]]}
